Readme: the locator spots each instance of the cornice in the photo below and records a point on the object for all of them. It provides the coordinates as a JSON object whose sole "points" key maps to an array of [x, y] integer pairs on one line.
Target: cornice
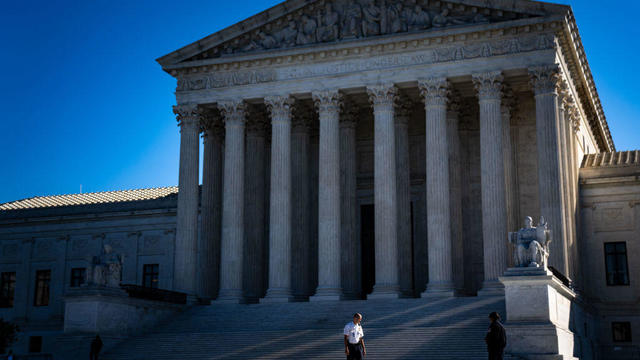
{"points": [[576, 57]]}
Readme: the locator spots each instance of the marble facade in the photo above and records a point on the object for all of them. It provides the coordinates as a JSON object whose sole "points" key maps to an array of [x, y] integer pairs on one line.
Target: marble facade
{"points": [[462, 115]]}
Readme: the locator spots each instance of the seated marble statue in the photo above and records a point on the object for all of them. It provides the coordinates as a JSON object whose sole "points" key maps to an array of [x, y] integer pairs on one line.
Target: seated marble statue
{"points": [[107, 268], [531, 244]]}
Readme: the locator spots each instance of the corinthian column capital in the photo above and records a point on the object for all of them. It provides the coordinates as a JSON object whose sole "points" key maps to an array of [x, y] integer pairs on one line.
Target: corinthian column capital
{"points": [[211, 123], [404, 108], [233, 111], [187, 115], [327, 101], [488, 85], [545, 79], [280, 107], [382, 95], [349, 116], [508, 102], [434, 90]]}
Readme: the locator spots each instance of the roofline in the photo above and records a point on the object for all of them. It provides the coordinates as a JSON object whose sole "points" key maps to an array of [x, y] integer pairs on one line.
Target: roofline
{"points": [[255, 21]]}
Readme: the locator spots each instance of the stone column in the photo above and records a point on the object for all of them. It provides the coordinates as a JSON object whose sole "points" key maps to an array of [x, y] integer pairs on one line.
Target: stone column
{"points": [[351, 255], [403, 185], [301, 200], [329, 266], [280, 200], [435, 92], [573, 119], [254, 264], [211, 208], [544, 81], [185, 255], [494, 216], [564, 175], [455, 188], [511, 184], [231, 248], [382, 97]]}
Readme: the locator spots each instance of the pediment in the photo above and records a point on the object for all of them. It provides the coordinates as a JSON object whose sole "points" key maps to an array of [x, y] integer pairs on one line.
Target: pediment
{"points": [[299, 23]]}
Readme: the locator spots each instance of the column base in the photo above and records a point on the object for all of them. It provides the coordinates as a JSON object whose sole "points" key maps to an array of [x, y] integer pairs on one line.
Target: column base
{"points": [[441, 289], [384, 291], [491, 288], [277, 295], [229, 296], [327, 294]]}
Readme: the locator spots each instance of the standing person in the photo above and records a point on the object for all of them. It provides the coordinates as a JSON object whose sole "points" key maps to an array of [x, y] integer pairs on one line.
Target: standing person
{"points": [[96, 346], [496, 337], [353, 339]]}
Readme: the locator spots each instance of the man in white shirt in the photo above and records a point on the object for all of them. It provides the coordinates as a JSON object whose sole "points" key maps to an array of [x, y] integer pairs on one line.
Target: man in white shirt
{"points": [[353, 339]]}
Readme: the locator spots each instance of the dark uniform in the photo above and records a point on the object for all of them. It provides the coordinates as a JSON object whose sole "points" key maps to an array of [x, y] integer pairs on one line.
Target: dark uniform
{"points": [[496, 340]]}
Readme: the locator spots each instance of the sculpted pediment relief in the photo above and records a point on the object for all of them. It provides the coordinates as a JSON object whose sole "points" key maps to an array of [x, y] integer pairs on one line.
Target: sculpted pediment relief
{"points": [[343, 20]]}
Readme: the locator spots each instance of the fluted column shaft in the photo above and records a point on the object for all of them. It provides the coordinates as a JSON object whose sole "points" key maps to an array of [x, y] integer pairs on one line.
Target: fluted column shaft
{"points": [[435, 92], [510, 176], [329, 263], [494, 216], [211, 213], [455, 197], [185, 256], [564, 179], [386, 285], [351, 280], [255, 207], [232, 203], [545, 81], [301, 199], [403, 186], [280, 200]]}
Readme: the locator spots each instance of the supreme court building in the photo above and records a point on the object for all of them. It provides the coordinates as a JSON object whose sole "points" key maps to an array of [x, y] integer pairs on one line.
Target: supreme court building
{"points": [[359, 150], [379, 150]]}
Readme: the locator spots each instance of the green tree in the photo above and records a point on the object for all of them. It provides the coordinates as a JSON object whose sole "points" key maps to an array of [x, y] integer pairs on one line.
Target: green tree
{"points": [[8, 334]]}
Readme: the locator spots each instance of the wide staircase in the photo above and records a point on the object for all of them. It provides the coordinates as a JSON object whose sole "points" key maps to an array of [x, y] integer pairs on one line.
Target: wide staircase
{"points": [[449, 328]]}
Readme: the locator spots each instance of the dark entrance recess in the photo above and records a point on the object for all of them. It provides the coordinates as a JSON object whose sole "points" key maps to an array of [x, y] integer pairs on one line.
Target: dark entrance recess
{"points": [[367, 243]]}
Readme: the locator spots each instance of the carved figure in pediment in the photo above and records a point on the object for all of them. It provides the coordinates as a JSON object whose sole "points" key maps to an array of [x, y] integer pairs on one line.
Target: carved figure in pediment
{"points": [[289, 34], [352, 20], [441, 19], [307, 31], [479, 18], [261, 41], [396, 20], [267, 41], [384, 17], [328, 24], [418, 19], [371, 19]]}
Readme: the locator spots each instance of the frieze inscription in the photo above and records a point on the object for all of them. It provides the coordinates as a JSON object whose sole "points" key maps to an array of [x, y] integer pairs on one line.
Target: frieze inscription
{"points": [[429, 56]]}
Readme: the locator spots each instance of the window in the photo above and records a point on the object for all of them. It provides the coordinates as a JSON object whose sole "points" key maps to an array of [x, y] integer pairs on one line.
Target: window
{"points": [[616, 263], [150, 275], [7, 289], [621, 331], [35, 344], [43, 278], [78, 276]]}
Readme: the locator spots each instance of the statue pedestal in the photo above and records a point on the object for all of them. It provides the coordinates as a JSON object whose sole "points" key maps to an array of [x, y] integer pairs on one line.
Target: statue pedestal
{"points": [[108, 310], [538, 314]]}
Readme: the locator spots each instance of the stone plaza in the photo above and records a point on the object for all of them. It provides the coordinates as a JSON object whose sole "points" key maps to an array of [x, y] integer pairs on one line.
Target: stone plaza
{"points": [[360, 150]]}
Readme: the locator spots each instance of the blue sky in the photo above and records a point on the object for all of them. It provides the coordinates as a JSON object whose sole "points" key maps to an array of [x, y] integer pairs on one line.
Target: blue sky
{"points": [[85, 104]]}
